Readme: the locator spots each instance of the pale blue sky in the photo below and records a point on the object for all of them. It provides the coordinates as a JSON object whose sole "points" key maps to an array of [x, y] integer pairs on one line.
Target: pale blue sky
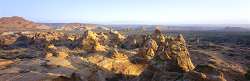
{"points": [[130, 11]]}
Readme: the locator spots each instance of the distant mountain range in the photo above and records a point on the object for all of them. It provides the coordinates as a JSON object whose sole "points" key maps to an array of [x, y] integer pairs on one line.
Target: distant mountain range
{"points": [[236, 29], [19, 23]]}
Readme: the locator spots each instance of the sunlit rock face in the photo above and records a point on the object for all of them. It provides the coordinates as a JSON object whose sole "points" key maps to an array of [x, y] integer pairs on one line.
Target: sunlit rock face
{"points": [[37, 40], [168, 57], [90, 42], [149, 49], [170, 61], [103, 57], [42, 39], [117, 55], [177, 55]]}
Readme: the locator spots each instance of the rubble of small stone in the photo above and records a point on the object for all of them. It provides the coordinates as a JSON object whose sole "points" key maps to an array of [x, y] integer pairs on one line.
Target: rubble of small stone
{"points": [[103, 56]]}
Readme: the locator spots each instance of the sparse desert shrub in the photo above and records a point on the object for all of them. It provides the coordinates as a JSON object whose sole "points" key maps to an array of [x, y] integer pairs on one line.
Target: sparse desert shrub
{"points": [[247, 75]]}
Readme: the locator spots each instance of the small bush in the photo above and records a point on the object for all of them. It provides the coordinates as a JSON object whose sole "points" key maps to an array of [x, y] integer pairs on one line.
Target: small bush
{"points": [[247, 75]]}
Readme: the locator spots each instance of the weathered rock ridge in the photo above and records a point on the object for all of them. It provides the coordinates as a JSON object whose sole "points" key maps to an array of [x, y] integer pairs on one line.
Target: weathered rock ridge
{"points": [[105, 56]]}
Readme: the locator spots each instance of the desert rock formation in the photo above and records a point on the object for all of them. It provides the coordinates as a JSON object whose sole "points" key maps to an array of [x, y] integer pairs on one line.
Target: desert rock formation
{"points": [[91, 56]]}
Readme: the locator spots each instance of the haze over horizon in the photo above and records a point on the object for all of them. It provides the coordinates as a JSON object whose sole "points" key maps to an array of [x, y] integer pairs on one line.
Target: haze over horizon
{"points": [[130, 11]]}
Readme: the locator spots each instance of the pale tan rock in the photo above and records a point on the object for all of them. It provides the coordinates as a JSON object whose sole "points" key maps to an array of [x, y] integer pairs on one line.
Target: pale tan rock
{"points": [[183, 58], [7, 40], [149, 49], [90, 42], [5, 63], [170, 55], [118, 55]]}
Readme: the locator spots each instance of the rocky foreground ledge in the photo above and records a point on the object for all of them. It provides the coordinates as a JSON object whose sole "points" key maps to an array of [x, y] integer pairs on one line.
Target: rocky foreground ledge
{"points": [[92, 56]]}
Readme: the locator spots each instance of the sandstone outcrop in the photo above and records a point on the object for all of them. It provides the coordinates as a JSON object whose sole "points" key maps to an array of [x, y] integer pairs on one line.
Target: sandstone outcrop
{"points": [[43, 39], [177, 55], [149, 49], [90, 42], [118, 55], [173, 55], [101, 57], [172, 62], [169, 58], [31, 39], [116, 38], [7, 40]]}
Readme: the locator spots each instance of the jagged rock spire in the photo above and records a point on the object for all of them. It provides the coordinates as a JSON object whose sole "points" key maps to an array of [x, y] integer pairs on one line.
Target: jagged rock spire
{"points": [[172, 58], [179, 55], [149, 49]]}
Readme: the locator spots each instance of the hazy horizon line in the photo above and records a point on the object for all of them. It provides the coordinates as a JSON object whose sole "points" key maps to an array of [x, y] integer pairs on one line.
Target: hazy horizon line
{"points": [[118, 22]]}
